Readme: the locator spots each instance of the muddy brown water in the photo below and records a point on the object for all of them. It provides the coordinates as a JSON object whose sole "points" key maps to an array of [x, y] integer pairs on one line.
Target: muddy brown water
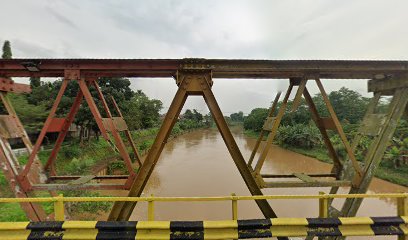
{"points": [[198, 164]]}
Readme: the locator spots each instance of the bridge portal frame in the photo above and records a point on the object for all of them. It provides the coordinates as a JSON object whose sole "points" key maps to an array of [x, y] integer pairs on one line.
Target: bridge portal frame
{"points": [[215, 68]]}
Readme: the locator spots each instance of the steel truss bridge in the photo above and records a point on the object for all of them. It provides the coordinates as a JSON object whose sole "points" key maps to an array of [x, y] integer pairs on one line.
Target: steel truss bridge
{"points": [[194, 76]]}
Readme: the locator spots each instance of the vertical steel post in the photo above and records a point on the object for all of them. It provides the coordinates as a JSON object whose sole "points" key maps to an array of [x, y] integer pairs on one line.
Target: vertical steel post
{"points": [[234, 205], [59, 208], [150, 209], [323, 205]]}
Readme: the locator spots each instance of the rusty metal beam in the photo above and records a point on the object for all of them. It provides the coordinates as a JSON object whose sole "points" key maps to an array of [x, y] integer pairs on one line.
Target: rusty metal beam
{"points": [[190, 83], [221, 68]]}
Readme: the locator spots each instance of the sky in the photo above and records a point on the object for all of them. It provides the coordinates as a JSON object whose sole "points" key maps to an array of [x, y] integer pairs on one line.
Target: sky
{"points": [[257, 29]]}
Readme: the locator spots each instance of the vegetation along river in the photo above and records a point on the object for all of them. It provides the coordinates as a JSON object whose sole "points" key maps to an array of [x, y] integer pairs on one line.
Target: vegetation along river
{"points": [[198, 164]]}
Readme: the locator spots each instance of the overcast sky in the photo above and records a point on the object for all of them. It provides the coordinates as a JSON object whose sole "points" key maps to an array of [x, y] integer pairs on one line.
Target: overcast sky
{"points": [[286, 29]]}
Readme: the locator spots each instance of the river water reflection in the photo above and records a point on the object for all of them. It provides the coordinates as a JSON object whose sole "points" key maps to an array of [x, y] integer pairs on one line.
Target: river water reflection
{"points": [[198, 164]]}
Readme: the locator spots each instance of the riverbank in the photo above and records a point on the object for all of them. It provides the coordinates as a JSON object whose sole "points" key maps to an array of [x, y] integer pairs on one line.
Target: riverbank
{"points": [[76, 159], [385, 171]]}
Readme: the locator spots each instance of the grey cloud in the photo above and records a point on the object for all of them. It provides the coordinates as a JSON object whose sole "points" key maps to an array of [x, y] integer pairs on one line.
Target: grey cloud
{"points": [[61, 18], [263, 29], [23, 48]]}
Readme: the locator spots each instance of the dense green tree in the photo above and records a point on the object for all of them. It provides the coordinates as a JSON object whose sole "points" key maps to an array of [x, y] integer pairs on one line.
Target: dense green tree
{"points": [[142, 112], [349, 105], [35, 82], [7, 50], [237, 117], [255, 120]]}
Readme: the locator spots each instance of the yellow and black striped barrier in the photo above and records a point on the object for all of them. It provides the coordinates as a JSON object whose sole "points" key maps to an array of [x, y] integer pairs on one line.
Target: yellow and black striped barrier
{"points": [[184, 230]]}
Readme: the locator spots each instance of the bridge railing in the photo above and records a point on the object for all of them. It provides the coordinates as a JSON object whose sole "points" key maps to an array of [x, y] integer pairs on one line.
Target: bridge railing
{"points": [[323, 201]]}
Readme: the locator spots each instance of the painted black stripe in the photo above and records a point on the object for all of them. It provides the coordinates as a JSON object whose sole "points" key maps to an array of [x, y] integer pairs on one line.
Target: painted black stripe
{"points": [[386, 230], [186, 230], [323, 222], [254, 224], [254, 233], [116, 235], [387, 221], [254, 228], [116, 230], [186, 226], [51, 225], [116, 225], [195, 235], [45, 235], [323, 231]]}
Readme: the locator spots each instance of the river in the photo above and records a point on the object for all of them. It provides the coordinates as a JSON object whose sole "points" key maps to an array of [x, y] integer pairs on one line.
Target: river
{"points": [[199, 164]]}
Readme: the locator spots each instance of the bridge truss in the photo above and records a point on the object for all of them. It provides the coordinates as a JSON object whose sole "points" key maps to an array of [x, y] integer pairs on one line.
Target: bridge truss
{"points": [[195, 77]]}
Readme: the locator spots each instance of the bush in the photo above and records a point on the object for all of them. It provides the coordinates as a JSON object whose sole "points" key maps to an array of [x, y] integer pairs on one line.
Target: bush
{"points": [[299, 135], [79, 166], [70, 152]]}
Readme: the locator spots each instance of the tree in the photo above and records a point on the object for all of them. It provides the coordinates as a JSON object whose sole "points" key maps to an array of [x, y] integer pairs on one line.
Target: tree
{"points": [[7, 50], [349, 105], [255, 120], [35, 82], [237, 117], [142, 112]]}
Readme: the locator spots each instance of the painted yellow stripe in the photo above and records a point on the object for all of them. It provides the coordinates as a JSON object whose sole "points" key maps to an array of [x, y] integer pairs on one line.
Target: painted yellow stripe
{"points": [[220, 224], [405, 218], [80, 234], [355, 220], [13, 225], [143, 225], [79, 225], [220, 229], [155, 234], [356, 230], [289, 221], [217, 233], [14, 234], [404, 228], [288, 231]]}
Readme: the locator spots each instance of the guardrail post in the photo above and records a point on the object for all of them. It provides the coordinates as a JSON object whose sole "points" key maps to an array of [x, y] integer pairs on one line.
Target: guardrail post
{"points": [[323, 205], [234, 207], [59, 214], [402, 209], [150, 209]]}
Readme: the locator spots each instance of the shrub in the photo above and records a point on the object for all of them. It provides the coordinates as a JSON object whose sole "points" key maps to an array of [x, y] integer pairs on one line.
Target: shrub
{"points": [[300, 135]]}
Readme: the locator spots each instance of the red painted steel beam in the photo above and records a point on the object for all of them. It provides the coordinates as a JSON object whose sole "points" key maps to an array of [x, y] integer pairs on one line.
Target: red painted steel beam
{"points": [[221, 68]]}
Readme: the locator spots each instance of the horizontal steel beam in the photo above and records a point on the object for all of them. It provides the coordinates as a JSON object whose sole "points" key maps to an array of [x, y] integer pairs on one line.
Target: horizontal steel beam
{"points": [[298, 184], [293, 176], [221, 68], [66, 187], [103, 177]]}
